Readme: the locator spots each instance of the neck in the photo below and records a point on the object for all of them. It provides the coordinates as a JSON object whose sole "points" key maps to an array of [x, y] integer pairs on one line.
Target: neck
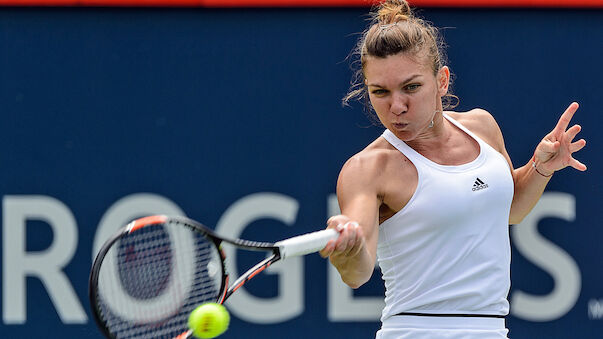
{"points": [[436, 116], [431, 137]]}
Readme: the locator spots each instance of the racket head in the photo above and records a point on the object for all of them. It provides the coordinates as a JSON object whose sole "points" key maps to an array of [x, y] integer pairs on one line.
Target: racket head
{"points": [[150, 275]]}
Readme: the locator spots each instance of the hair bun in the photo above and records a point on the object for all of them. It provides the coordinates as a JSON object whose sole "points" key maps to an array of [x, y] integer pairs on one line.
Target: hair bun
{"points": [[392, 11]]}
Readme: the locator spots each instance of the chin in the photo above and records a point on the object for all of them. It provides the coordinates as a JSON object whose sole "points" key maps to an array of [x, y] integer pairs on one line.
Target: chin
{"points": [[403, 135]]}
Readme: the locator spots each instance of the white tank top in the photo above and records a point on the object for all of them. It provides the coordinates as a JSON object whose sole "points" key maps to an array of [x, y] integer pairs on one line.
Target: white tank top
{"points": [[448, 251]]}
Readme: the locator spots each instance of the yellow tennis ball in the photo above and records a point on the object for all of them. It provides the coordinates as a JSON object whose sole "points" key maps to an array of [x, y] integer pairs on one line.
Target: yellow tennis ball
{"points": [[209, 320]]}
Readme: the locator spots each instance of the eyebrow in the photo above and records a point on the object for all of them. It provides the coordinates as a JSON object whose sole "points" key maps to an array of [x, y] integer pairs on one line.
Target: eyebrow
{"points": [[412, 77]]}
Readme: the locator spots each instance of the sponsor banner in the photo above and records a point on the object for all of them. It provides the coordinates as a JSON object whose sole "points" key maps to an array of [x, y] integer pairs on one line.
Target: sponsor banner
{"points": [[234, 118], [304, 3]]}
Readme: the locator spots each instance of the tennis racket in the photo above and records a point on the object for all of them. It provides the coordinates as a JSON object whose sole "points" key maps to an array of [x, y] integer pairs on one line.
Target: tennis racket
{"points": [[149, 276]]}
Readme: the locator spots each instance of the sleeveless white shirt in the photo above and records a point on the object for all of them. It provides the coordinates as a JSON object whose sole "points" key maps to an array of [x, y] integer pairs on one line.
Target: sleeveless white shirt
{"points": [[448, 251]]}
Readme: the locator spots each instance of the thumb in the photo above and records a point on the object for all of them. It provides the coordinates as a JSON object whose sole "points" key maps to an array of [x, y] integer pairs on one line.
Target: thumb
{"points": [[547, 146]]}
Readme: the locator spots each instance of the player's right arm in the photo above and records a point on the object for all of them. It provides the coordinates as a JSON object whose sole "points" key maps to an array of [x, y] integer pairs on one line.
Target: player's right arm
{"points": [[354, 252]]}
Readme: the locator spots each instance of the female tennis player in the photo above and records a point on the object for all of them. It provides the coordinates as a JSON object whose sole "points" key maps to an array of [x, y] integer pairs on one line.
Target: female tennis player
{"points": [[431, 198]]}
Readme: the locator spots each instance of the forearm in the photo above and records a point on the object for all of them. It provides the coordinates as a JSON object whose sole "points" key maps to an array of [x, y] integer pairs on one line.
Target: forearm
{"points": [[529, 186], [354, 270]]}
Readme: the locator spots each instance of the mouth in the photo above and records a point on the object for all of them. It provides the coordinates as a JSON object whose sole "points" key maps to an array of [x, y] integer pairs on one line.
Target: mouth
{"points": [[399, 125]]}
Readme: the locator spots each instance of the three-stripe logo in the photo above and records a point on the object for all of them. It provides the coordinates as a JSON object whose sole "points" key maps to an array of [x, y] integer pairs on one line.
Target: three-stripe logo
{"points": [[479, 185]]}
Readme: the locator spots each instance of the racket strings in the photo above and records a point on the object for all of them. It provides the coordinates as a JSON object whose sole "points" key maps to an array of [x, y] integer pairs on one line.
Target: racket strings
{"points": [[153, 278]]}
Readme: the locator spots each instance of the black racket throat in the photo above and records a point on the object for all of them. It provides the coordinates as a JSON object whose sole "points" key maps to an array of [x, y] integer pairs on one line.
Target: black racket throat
{"points": [[259, 267], [218, 239]]}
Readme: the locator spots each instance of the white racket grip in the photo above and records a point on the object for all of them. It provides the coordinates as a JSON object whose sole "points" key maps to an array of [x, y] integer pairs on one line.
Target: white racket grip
{"points": [[307, 243]]}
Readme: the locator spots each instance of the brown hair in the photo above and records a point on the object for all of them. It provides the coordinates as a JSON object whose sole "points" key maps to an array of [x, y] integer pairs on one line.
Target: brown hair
{"points": [[395, 29]]}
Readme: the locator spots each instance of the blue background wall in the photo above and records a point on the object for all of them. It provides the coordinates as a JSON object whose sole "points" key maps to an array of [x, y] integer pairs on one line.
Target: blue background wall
{"points": [[205, 107]]}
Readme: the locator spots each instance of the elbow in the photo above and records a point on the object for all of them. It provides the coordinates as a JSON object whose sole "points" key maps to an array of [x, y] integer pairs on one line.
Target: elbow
{"points": [[354, 284], [515, 220], [518, 214], [357, 281]]}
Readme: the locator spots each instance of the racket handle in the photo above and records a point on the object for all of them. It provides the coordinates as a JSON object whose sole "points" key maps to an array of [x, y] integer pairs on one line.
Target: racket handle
{"points": [[307, 243]]}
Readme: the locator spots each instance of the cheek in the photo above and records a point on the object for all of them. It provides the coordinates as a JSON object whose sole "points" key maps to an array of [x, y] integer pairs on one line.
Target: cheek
{"points": [[374, 101], [380, 105], [428, 94]]}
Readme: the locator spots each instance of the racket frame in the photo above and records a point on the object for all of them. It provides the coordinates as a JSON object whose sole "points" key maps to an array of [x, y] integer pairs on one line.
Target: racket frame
{"points": [[225, 290], [295, 246]]}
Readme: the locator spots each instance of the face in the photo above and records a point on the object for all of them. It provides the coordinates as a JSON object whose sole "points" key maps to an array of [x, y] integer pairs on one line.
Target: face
{"points": [[404, 93]]}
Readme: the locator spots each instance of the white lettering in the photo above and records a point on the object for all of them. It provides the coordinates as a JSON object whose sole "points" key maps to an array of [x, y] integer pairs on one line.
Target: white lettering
{"points": [[551, 258], [46, 265], [595, 309], [289, 302]]}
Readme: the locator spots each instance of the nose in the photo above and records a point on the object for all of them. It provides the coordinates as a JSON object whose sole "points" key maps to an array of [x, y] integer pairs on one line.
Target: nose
{"points": [[398, 105]]}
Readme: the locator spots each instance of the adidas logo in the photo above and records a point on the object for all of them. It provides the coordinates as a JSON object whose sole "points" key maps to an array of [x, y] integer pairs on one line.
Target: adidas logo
{"points": [[479, 185]]}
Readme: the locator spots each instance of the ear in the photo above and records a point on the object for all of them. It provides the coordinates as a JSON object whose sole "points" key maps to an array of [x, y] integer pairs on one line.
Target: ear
{"points": [[443, 80]]}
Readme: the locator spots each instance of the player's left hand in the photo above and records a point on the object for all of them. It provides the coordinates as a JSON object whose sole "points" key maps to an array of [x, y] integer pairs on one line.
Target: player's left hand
{"points": [[555, 150]]}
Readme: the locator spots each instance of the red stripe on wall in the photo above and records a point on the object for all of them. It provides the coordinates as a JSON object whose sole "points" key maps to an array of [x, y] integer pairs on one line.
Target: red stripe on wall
{"points": [[508, 3], [305, 3]]}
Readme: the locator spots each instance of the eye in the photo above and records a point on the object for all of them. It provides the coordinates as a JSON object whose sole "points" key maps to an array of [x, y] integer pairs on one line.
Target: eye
{"points": [[379, 92], [412, 87]]}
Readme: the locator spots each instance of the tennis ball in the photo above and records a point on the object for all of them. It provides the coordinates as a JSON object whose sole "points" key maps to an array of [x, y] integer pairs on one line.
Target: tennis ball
{"points": [[209, 320]]}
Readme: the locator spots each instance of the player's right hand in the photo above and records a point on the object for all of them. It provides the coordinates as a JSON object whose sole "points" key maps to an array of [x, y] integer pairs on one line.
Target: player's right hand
{"points": [[350, 241]]}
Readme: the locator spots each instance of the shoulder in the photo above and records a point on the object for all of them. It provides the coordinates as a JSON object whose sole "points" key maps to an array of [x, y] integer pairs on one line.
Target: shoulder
{"points": [[371, 159], [476, 120], [483, 124], [367, 170]]}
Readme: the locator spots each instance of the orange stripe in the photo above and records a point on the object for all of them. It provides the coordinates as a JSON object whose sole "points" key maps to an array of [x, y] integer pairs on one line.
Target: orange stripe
{"points": [[221, 299], [150, 220], [253, 274], [304, 3], [258, 271], [183, 335]]}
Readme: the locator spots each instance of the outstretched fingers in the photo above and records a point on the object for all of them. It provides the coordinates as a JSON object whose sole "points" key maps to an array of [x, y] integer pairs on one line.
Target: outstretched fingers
{"points": [[555, 150], [577, 165], [576, 146], [571, 133], [566, 118], [572, 147]]}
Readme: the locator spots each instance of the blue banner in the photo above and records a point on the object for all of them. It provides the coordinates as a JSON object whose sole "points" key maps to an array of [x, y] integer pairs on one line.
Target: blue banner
{"points": [[233, 118]]}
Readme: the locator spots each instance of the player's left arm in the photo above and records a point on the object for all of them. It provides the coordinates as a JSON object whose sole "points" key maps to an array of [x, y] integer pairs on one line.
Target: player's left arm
{"points": [[553, 153]]}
